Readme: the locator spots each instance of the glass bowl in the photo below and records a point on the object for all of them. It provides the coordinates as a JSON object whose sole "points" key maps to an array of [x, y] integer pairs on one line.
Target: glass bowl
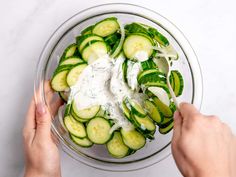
{"points": [[97, 156]]}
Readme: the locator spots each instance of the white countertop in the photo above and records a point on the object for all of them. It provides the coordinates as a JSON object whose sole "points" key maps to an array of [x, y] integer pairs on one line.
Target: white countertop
{"points": [[26, 25]]}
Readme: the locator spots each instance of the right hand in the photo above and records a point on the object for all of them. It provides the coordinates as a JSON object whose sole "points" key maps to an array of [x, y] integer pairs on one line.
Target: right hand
{"points": [[202, 146]]}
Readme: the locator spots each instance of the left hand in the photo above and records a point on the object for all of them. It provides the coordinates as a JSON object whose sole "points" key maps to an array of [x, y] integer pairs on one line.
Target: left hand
{"points": [[41, 151]]}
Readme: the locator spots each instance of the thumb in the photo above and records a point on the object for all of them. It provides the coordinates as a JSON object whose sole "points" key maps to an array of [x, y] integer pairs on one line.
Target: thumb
{"points": [[43, 121]]}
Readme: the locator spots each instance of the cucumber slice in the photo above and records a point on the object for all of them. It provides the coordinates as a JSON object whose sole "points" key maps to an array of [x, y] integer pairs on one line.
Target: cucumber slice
{"points": [[126, 110], [114, 48], [94, 50], [151, 75], [157, 84], [135, 43], [145, 124], [135, 28], [166, 122], [67, 110], [68, 52], [178, 82], [64, 96], [78, 118], [124, 70], [136, 108], [153, 111], [149, 64], [58, 81], [116, 146], [106, 27], [87, 30], [88, 113], [74, 127], [82, 41], [166, 129], [71, 61], [74, 73], [98, 130], [163, 108], [133, 139], [162, 40], [101, 113], [83, 142], [112, 39]]}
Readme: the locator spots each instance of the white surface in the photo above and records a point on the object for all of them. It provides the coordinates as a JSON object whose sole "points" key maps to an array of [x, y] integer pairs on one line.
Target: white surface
{"points": [[26, 25]]}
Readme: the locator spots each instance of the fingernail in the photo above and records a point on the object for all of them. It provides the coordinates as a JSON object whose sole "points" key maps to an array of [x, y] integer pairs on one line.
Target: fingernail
{"points": [[40, 108], [176, 114]]}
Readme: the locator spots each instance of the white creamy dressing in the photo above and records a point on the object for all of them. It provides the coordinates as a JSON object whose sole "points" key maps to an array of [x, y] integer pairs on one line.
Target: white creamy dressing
{"points": [[141, 55], [101, 83], [133, 69]]}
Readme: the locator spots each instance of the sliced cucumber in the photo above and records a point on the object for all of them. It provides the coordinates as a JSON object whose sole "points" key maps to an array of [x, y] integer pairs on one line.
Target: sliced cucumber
{"points": [[133, 139], [136, 108], [83, 142], [145, 124], [163, 108], [135, 28], [84, 40], [149, 64], [112, 39], [166, 129], [106, 27], [101, 112], [74, 127], [166, 122], [87, 30], [126, 110], [71, 61], [137, 43], [153, 111], [157, 84], [69, 52], [115, 49], [74, 73], [64, 96], [116, 146], [67, 110], [151, 75], [58, 81], [98, 130], [78, 118], [94, 50], [88, 113], [162, 40], [124, 70], [178, 82]]}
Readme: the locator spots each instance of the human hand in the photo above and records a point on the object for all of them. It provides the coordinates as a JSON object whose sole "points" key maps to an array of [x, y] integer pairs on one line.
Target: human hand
{"points": [[41, 151], [202, 146]]}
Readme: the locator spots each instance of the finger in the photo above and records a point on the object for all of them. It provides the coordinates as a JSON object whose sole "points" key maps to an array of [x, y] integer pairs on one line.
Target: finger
{"points": [[177, 127], [48, 91], [30, 124], [55, 106], [188, 111], [43, 122]]}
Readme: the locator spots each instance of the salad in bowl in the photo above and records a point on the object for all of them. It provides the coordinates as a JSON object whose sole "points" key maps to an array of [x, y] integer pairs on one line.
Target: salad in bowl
{"points": [[114, 91]]}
